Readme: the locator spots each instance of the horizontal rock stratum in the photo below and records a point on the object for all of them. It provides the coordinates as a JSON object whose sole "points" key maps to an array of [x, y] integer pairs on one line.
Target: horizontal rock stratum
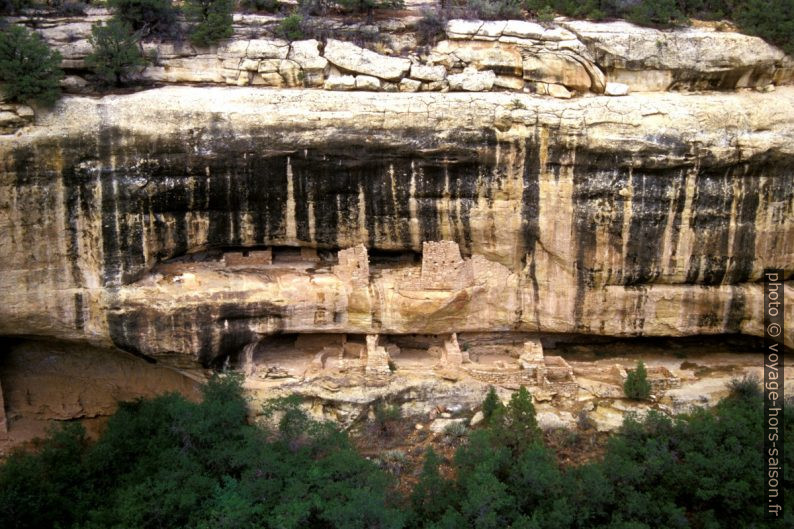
{"points": [[647, 215]]}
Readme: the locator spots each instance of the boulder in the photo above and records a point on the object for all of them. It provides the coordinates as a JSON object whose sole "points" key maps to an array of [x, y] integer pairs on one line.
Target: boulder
{"points": [[440, 425], [548, 420], [348, 56], [557, 68], [463, 29], [340, 82], [428, 72], [367, 82], [410, 85], [269, 66], [524, 30], [472, 80], [266, 49], [616, 89], [509, 82], [558, 91], [501, 58], [435, 86], [307, 54], [252, 65], [693, 57], [291, 72]]}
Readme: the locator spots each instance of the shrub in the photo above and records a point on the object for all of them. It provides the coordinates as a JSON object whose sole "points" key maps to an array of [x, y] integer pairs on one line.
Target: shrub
{"points": [[211, 20], [366, 6], [29, 70], [268, 6], [291, 28], [149, 17], [636, 385], [69, 9], [312, 7], [116, 52], [11, 7], [386, 415], [456, 430], [656, 13], [431, 28], [747, 388], [493, 9]]}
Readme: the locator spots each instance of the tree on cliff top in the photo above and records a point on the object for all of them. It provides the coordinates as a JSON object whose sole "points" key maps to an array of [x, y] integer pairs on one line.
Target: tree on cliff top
{"points": [[149, 17], [116, 52], [211, 20], [29, 70]]}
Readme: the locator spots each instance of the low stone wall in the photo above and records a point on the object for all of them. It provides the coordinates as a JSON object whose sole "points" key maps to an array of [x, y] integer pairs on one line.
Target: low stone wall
{"points": [[563, 60]]}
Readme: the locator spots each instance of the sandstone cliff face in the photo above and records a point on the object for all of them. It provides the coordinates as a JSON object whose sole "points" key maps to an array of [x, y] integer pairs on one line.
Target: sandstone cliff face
{"points": [[649, 215]]}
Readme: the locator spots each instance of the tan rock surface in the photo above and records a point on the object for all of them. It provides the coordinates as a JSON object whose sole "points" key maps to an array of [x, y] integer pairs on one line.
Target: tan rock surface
{"points": [[641, 215]]}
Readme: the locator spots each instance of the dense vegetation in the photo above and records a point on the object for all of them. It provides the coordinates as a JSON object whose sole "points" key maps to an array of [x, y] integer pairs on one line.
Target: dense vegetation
{"points": [[168, 462], [29, 70]]}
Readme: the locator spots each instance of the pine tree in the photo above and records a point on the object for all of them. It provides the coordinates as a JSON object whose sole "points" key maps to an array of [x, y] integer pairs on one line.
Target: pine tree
{"points": [[29, 70], [211, 20], [491, 406], [116, 51], [636, 385]]}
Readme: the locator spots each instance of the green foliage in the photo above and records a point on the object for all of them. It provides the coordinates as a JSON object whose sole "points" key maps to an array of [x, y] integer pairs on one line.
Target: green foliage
{"points": [[771, 20], [636, 385], [747, 388], [656, 13], [167, 462], [517, 427], [386, 415], [291, 28], [268, 6], [116, 53], [211, 20], [149, 17], [29, 70], [493, 9], [12, 7], [432, 494], [698, 470], [366, 6], [491, 405]]}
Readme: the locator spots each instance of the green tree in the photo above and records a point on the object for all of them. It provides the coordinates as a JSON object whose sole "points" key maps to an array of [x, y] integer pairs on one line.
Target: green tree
{"points": [[657, 13], [518, 428], [11, 7], [636, 385], [149, 17], [29, 70], [116, 52], [291, 28], [211, 20], [432, 494], [491, 405], [773, 21]]}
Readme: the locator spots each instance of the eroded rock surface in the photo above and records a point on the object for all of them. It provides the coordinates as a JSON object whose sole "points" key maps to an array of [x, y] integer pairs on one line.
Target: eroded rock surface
{"points": [[635, 216]]}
